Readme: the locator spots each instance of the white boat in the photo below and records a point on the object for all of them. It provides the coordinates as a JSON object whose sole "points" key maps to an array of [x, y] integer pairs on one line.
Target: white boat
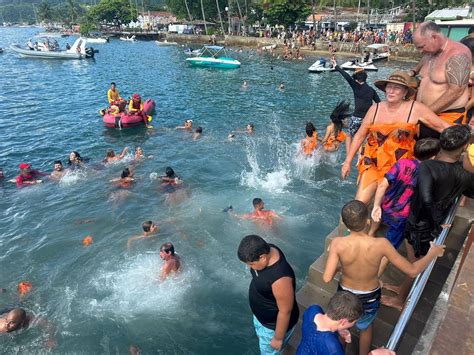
{"points": [[320, 66], [77, 51], [49, 34], [269, 47], [190, 52], [128, 38], [97, 37], [378, 51], [166, 43], [354, 64], [214, 57]]}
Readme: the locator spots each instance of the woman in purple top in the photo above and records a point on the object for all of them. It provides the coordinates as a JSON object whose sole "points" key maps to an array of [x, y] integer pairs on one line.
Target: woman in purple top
{"points": [[394, 193]]}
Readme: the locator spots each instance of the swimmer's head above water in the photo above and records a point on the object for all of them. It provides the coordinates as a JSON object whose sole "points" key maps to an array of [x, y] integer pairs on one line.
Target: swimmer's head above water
{"points": [[15, 320], [149, 227], [258, 203], [166, 249], [310, 129]]}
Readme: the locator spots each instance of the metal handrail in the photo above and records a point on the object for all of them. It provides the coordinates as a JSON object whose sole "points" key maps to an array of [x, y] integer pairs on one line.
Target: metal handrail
{"points": [[419, 285]]}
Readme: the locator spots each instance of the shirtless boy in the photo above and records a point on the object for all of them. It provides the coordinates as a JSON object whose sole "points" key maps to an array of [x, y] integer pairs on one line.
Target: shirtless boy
{"points": [[172, 261], [360, 256], [259, 215], [149, 228]]}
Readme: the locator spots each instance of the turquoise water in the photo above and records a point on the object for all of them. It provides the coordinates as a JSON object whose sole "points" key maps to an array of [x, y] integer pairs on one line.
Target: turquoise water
{"points": [[103, 298]]}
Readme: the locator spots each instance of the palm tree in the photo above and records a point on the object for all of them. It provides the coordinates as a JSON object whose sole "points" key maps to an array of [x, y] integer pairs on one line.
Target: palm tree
{"points": [[203, 17]]}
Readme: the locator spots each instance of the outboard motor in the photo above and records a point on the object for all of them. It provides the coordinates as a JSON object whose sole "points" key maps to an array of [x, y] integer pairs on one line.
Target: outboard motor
{"points": [[90, 52]]}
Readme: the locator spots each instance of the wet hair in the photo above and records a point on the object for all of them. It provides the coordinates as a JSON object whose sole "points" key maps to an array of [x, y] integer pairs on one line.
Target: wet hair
{"points": [[170, 172], [112, 83], [256, 201], [429, 26], [251, 248], [58, 162], [454, 137], [250, 124], [20, 318], [354, 215], [338, 115], [110, 153], [310, 129], [360, 76], [147, 226], [199, 130], [469, 43], [344, 305], [426, 148], [125, 173], [78, 157], [167, 248]]}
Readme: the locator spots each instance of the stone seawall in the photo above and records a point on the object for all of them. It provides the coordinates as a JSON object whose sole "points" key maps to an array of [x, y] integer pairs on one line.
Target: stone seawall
{"points": [[406, 52]]}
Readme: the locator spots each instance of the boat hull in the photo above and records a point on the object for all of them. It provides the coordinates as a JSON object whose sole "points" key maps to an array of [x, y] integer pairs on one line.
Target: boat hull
{"points": [[209, 62], [27, 53], [318, 68], [366, 66], [122, 120]]}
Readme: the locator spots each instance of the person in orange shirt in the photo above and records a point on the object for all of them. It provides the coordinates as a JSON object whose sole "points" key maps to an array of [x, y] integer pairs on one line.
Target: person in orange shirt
{"points": [[334, 134], [309, 144]]}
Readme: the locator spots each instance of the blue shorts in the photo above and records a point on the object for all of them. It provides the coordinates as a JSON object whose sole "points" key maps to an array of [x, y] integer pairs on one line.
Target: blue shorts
{"points": [[395, 231], [265, 336], [370, 303]]}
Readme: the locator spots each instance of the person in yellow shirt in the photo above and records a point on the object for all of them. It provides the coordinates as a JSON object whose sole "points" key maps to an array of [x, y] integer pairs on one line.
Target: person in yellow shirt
{"points": [[136, 105], [113, 95]]}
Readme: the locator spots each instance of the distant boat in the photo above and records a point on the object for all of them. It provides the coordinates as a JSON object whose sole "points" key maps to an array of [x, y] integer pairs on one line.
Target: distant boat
{"points": [[128, 38], [354, 65], [320, 66], [166, 43], [214, 57], [77, 51], [378, 51], [96, 37], [191, 52]]}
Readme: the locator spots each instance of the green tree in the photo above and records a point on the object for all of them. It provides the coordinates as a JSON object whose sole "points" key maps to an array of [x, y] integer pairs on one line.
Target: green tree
{"points": [[45, 12], [109, 11], [286, 12], [178, 8]]}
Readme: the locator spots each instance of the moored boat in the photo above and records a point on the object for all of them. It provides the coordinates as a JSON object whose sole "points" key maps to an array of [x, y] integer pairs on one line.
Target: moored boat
{"points": [[378, 51], [354, 65], [128, 38], [77, 51], [320, 66], [214, 57], [166, 43]]}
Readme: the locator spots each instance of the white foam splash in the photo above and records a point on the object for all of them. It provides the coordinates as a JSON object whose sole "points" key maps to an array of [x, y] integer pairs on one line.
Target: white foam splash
{"points": [[72, 177]]}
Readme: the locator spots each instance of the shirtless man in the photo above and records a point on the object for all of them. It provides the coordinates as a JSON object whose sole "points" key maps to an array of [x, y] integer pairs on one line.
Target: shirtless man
{"points": [[259, 215], [444, 71], [360, 256], [149, 228], [125, 180], [58, 171], [111, 156], [172, 261], [14, 320]]}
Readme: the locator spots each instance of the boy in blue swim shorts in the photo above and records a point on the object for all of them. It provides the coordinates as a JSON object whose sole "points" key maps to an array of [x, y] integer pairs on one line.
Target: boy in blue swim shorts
{"points": [[360, 256]]}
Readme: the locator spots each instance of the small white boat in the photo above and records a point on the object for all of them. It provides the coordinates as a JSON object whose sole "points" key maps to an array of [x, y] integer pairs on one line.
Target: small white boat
{"points": [[192, 53], [320, 66], [379, 51], [354, 64], [214, 57], [97, 40], [128, 38], [166, 43], [269, 48], [77, 51]]}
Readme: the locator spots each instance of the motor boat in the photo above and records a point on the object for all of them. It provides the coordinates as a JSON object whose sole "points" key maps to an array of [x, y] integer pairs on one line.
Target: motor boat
{"points": [[269, 47], [128, 38], [192, 52], [214, 57], [49, 50], [112, 118], [354, 65], [166, 43], [96, 37], [378, 51], [320, 66]]}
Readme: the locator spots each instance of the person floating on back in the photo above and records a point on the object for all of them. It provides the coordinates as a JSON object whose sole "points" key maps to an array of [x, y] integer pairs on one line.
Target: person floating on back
{"points": [[360, 256]]}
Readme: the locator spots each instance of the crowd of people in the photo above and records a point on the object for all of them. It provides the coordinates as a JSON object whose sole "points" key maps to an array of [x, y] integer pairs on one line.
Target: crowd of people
{"points": [[414, 162]]}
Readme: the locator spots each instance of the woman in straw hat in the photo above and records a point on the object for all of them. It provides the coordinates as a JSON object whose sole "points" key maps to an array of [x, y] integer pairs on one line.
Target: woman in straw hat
{"points": [[390, 128]]}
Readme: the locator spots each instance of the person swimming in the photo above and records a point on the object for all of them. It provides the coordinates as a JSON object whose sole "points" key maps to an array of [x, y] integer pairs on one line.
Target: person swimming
{"points": [[249, 129], [126, 179], [112, 157], [259, 215], [188, 126], [197, 133], [309, 144], [75, 160], [334, 135], [58, 171], [14, 320], [172, 261]]}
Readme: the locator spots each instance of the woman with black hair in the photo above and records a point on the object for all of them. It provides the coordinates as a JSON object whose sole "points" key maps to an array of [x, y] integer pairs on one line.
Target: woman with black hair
{"points": [[334, 134]]}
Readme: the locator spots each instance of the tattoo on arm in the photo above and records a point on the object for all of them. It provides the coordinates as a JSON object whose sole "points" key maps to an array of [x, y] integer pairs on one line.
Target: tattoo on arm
{"points": [[457, 70]]}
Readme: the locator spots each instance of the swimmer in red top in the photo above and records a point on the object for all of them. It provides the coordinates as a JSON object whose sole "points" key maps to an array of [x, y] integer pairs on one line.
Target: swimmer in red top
{"points": [[259, 215], [28, 176]]}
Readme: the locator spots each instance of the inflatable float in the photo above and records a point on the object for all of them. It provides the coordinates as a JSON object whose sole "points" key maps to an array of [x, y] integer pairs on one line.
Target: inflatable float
{"points": [[114, 119]]}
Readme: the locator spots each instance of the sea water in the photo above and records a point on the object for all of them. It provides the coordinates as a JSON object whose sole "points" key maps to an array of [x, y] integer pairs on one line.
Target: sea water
{"points": [[103, 298]]}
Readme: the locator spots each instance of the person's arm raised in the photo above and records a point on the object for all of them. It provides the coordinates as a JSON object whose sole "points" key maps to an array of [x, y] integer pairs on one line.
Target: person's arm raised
{"points": [[283, 292], [357, 141], [403, 264]]}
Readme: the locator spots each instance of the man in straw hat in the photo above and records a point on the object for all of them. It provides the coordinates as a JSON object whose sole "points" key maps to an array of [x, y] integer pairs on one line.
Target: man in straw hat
{"points": [[444, 70]]}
